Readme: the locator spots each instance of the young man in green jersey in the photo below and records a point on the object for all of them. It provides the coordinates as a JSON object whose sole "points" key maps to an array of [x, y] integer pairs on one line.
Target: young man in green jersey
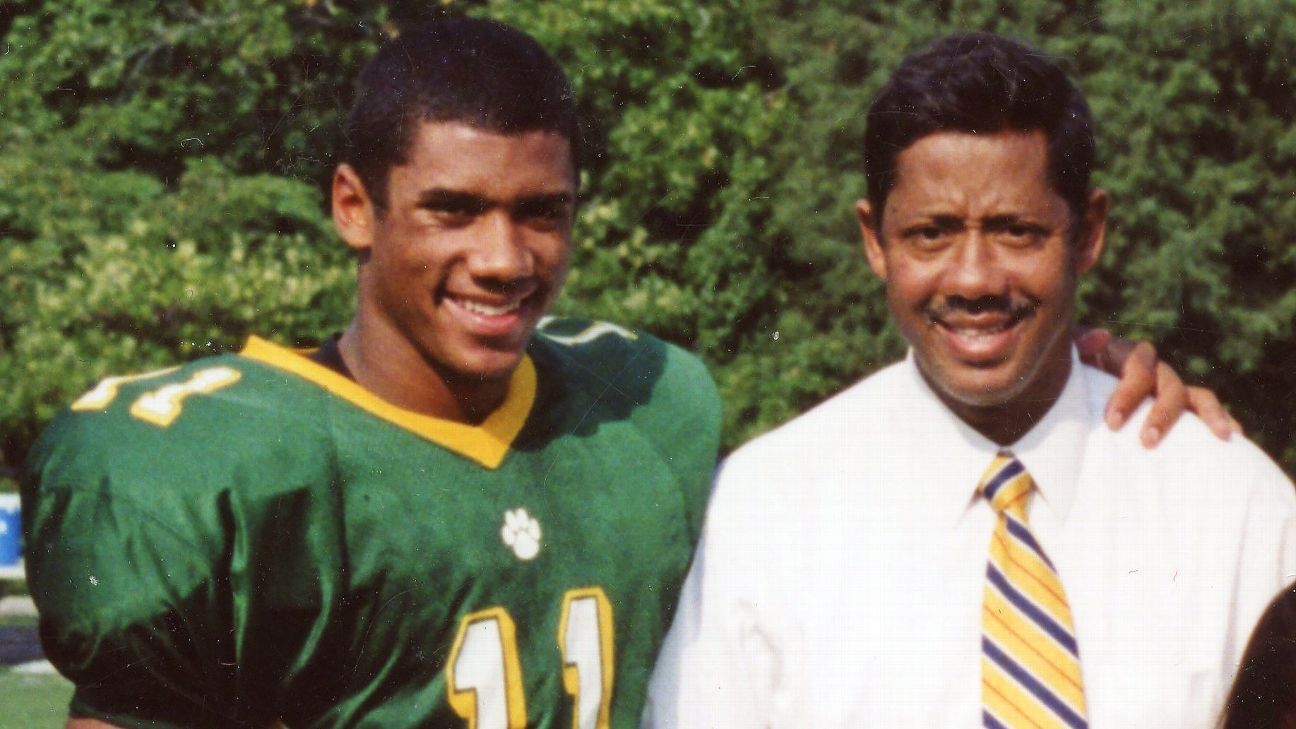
{"points": [[452, 514]]}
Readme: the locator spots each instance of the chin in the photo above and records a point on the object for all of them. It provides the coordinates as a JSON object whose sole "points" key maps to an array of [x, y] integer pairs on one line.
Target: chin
{"points": [[489, 366], [983, 398], [979, 388]]}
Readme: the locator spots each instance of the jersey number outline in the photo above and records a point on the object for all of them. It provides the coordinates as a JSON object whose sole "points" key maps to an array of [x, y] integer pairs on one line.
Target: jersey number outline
{"points": [[162, 406], [484, 676]]}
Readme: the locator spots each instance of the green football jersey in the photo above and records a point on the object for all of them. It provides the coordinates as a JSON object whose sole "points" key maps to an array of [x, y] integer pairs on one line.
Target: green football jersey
{"points": [[254, 538]]}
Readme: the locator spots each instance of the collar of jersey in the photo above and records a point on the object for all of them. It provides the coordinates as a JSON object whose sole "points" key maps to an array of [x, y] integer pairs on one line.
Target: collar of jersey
{"points": [[486, 443]]}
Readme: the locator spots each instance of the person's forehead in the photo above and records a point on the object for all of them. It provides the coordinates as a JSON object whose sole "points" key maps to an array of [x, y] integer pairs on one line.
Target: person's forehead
{"points": [[951, 166], [947, 152], [457, 155]]}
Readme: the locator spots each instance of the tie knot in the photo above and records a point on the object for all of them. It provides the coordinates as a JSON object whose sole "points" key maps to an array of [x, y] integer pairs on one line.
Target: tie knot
{"points": [[1006, 485]]}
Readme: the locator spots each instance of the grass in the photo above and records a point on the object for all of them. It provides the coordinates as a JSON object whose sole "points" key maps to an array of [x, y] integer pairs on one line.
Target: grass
{"points": [[33, 701], [29, 700], [16, 621]]}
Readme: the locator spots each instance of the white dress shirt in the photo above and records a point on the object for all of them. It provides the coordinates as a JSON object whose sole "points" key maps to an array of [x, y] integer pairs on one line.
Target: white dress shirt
{"points": [[839, 582]]}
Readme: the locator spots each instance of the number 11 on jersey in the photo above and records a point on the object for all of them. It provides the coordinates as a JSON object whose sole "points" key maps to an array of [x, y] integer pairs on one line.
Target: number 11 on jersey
{"points": [[585, 639], [484, 675]]}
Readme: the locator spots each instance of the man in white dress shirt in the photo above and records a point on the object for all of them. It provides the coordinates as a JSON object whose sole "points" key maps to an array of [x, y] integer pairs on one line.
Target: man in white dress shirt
{"points": [[843, 576]]}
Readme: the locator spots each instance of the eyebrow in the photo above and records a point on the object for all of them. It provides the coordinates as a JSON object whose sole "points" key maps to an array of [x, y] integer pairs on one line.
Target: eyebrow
{"points": [[1010, 219], [942, 220], [442, 197], [945, 222], [1003, 218]]}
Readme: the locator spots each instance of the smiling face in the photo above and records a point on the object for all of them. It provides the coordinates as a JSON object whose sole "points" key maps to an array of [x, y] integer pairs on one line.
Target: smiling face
{"points": [[455, 273], [981, 256]]}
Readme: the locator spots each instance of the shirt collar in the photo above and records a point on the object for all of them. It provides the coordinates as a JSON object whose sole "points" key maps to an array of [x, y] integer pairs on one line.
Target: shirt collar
{"points": [[1051, 451]]}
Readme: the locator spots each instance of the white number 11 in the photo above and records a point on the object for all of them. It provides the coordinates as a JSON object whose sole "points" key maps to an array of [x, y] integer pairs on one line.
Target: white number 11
{"points": [[484, 675]]}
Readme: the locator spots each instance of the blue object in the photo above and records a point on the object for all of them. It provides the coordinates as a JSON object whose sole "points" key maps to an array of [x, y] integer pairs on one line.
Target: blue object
{"points": [[10, 531]]}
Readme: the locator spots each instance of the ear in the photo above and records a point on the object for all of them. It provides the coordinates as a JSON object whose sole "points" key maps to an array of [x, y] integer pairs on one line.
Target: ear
{"points": [[354, 215], [872, 239], [1093, 234]]}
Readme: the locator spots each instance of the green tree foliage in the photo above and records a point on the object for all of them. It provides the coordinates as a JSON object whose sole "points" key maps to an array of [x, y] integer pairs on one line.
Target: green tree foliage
{"points": [[163, 167], [158, 187]]}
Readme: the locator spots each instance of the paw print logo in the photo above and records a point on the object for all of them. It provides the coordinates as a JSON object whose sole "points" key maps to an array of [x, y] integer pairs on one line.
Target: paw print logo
{"points": [[522, 533]]}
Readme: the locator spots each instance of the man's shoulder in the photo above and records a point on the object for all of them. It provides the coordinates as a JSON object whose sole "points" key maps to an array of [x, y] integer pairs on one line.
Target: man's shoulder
{"points": [[811, 462], [180, 425], [1190, 460], [221, 391], [1188, 441], [860, 411]]}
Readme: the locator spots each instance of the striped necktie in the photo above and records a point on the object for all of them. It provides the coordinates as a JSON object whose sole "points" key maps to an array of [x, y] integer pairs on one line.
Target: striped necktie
{"points": [[1030, 664]]}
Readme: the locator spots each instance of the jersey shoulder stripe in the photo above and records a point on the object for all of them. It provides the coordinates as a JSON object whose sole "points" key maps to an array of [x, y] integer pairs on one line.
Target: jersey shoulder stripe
{"points": [[610, 360]]}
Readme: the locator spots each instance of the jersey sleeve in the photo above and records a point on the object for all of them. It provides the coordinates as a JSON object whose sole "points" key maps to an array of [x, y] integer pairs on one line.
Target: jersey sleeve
{"points": [[685, 420], [133, 609], [665, 390]]}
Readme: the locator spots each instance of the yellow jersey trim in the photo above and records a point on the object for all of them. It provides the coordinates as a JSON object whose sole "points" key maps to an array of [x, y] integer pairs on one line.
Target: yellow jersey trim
{"points": [[487, 443]]}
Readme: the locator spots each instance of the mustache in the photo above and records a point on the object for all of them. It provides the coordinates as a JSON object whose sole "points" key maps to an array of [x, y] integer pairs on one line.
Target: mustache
{"points": [[1013, 307]]}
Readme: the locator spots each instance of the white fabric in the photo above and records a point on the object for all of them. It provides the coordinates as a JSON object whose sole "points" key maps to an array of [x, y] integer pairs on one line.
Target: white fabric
{"points": [[839, 581]]}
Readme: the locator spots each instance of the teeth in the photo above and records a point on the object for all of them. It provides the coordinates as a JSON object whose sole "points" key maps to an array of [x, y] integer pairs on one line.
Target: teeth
{"points": [[486, 309], [979, 333]]}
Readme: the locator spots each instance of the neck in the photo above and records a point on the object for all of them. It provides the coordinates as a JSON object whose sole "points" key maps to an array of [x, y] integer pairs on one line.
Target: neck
{"points": [[396, 372], [1005, 423]]}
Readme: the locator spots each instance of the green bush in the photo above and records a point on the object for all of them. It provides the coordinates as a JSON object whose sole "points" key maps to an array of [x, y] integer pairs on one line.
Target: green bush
{"points": [[160, 190]]}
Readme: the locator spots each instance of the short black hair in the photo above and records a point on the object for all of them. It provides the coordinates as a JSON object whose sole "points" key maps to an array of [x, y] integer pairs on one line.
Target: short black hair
{"points": [[980, 83], [482, 73]]}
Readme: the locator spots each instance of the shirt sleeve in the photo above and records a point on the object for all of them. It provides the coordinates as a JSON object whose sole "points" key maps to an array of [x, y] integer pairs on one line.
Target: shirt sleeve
{"points": [[723, 662], [130, 612], [1267, 554]]}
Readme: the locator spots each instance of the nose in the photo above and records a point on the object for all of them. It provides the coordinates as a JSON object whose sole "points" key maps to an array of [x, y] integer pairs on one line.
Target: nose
{"points": [[975, 269], [500, 251]]}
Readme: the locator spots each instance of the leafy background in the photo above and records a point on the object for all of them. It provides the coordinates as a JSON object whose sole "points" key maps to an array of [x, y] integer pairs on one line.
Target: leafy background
{"points": [[162, 168]]}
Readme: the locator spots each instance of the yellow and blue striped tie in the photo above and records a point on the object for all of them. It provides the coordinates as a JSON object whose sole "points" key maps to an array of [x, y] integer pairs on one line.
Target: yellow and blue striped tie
{"points": [[1030, 664]]}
